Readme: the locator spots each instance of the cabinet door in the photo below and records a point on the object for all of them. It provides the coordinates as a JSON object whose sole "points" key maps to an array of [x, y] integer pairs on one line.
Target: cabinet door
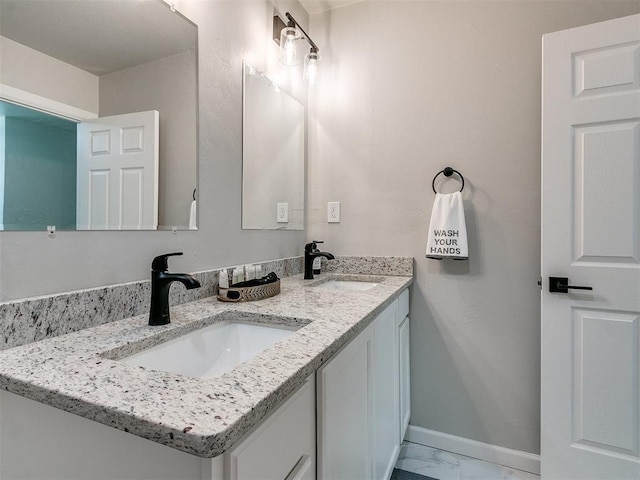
{"points": [[38, 441], [344, 412], [386, 409], [405, 377], [281, 448]]}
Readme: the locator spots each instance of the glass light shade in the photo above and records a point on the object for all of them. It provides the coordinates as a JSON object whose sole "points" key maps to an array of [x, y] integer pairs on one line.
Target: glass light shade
{"points": [[289, 46], [310, 73]]}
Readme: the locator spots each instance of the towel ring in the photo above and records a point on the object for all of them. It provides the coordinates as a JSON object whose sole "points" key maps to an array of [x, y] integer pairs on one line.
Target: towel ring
{"points": [[194, 193], [448, 171]]}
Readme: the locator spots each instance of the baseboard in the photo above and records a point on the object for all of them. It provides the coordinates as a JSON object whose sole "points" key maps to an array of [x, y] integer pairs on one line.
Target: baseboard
{"points": [[472, 448]]}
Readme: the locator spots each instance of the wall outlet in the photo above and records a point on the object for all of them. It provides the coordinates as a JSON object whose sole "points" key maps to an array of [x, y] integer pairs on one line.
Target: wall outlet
{"points": [[333, 212], [282, 213]]}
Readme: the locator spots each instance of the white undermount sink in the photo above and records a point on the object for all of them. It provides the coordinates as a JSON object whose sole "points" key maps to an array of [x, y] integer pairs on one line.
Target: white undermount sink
{"points": [[211, 351], [346, 285]]}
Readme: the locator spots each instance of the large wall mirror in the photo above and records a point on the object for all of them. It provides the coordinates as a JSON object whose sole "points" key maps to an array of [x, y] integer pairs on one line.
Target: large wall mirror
{"points": [[273, 150], [98, 115]]}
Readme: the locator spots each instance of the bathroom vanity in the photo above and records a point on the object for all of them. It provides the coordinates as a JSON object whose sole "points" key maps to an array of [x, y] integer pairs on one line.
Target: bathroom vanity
{"points": [[73, 407]]}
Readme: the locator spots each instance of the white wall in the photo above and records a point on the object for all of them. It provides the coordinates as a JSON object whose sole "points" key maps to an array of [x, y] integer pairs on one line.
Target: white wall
{"points": [[408, 88], [33, 264]]}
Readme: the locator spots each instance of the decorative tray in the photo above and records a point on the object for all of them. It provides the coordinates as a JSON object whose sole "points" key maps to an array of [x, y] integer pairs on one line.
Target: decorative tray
{"points": [[248, 294]]}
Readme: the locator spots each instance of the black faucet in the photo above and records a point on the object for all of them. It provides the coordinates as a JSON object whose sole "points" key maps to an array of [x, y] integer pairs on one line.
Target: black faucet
{"points": [[310, 252], [161, 280]]}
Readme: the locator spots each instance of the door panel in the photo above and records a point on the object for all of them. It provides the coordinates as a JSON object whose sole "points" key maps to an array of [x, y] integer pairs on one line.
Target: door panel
{"points": [[99, 198], [606, 70], [605, 405], [132, 194], [606, 178]]}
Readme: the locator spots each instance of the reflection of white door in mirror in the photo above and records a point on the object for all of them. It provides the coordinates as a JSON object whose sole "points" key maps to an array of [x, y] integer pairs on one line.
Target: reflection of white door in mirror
{"points": [[117, 180]]}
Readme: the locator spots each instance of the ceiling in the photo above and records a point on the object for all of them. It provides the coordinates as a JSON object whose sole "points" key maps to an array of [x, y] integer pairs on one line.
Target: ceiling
{"points": [[99, 36], [318, 6]]}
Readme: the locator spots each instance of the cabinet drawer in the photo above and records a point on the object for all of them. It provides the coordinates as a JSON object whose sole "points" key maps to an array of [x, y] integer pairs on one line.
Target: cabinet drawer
{"points": [[283, 446], [403, 304]]}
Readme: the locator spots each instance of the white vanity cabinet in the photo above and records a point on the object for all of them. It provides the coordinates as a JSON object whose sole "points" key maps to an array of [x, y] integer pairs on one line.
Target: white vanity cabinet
{"points": [[362, 400], [346, 421], [38, 441]]}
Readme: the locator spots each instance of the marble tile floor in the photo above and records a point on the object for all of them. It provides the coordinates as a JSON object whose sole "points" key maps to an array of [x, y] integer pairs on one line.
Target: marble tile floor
{"points": [[442, 465]]}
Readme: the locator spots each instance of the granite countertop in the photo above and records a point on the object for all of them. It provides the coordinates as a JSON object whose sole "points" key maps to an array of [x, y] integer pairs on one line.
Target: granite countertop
{"points": [[79, 372]]}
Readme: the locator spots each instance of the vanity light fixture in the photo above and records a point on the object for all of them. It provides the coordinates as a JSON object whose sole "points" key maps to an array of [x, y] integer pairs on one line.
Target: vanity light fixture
{"points": [[311, 60], [288, 40], [289, 37]]}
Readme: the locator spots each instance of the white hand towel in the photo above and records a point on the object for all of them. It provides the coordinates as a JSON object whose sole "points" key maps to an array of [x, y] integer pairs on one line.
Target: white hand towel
{"points": [[447, 229], [192, 216]]}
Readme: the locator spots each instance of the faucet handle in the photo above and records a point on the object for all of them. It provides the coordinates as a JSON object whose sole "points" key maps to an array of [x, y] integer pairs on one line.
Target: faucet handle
{"points": [[160, 264], [315, 246], [312, 245]]}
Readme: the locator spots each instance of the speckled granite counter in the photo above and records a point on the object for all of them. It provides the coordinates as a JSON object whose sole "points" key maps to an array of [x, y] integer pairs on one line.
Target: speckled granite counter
{"points": [[77, 372]]}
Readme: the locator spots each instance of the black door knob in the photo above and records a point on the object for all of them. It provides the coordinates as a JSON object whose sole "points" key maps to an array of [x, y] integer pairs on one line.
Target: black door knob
{"points": [[561, 285]]}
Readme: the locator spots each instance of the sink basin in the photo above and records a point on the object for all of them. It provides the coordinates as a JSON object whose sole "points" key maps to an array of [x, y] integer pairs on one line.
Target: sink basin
{"points": [[346, 285], [347, 282], [211, 351]]}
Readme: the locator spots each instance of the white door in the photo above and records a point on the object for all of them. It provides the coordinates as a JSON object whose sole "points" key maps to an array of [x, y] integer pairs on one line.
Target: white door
{"points": [[590, 235], [117, 182]]}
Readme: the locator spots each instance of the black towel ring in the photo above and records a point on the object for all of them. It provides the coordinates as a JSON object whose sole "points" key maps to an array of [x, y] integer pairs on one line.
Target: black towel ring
{"points": [[448, 171], [194, 193]]}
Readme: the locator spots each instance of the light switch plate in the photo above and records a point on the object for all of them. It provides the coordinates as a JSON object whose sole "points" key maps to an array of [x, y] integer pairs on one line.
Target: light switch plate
{"points": [[282, 215], [333, 212]]}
